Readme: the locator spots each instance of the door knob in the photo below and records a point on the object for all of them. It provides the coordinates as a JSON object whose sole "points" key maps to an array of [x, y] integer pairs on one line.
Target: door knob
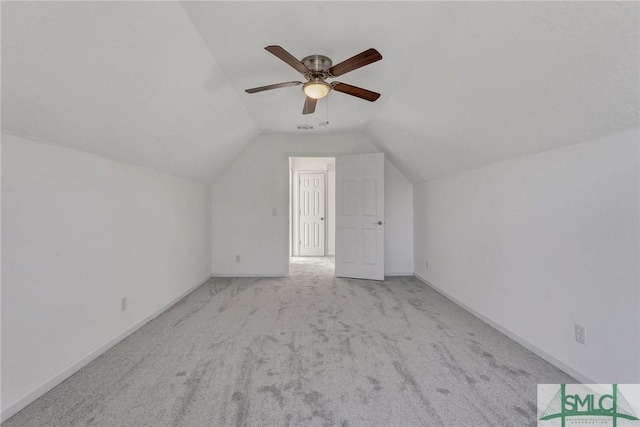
{"points": [[321, 218], [377, 223]]}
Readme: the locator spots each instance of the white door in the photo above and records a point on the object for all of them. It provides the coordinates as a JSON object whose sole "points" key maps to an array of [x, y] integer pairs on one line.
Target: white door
{"points": [[360, 216], [312, 215]]}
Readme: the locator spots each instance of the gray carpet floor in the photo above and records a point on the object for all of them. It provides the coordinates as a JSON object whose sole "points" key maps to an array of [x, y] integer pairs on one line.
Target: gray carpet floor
{"points": [[310, 350]]}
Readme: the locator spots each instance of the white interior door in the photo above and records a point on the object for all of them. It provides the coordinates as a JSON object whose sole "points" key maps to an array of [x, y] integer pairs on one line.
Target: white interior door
{"points": [[312, 214], [360, 216]]}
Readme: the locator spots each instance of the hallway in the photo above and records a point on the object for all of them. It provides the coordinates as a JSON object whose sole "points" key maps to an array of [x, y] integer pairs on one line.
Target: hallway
{"points": [[312, 266]]}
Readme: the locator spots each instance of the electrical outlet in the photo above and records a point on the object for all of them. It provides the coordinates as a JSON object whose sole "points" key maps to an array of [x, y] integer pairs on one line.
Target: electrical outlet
{"points": [[580, 334], [123, 304], [237, 258], [426, 263], [274, 212]]}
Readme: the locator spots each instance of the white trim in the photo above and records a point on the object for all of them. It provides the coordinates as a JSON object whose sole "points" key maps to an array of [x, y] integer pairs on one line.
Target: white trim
{"points": [[240, 275], [526, 344], [56, 379], [289, 203], [407, 274]]}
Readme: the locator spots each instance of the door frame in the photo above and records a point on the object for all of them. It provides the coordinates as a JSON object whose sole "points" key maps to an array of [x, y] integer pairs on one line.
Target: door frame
{"points": [[296, 216], [288, 179]]}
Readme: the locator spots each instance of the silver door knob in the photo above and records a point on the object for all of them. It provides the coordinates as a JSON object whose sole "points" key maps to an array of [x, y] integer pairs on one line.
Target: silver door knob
{"points": [[377, 223]]}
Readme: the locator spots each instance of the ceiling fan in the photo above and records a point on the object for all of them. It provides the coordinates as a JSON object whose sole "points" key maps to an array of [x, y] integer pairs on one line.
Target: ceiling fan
{"points": [[316, 69]]}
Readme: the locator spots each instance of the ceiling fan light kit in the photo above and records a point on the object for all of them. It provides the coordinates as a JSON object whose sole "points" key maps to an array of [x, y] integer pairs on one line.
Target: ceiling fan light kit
{"points": [[316, 69], [316, 89]]}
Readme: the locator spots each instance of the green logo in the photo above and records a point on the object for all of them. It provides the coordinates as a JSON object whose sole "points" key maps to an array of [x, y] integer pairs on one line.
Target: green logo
{"points": [[613, 406]]}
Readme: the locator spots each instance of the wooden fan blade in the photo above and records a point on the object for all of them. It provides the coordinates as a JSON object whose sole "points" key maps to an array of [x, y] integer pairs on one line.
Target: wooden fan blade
{"points": [[355, 91], [309, 105], [269, 87], [360, 60], [288, 58]]}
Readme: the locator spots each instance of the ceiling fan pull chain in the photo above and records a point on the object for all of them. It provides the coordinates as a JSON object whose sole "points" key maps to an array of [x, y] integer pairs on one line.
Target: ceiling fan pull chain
{"points": [[326, 123]]}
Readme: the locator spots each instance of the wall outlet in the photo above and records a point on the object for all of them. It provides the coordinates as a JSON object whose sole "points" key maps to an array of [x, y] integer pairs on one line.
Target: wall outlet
{"points": [[426, 263], [237, 258], [274, 212], [123, 304], [580, 334]]}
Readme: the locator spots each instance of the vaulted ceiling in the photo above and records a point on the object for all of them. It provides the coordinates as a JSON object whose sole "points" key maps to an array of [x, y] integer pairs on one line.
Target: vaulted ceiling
{"points": [[463, 84]]}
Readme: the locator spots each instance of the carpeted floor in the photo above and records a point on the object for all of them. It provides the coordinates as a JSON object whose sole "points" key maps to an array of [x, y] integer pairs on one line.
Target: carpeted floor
{"points": [[307, 350]]}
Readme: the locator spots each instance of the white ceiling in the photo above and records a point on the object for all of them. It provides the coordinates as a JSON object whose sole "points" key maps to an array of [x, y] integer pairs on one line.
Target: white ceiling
{"points": [[131, 81], [463, 84]]}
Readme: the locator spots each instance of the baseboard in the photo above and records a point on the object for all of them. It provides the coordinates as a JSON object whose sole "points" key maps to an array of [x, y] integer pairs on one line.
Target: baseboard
{"points": [[386, 274], [47, 385], [543, 354], [239, 275]]}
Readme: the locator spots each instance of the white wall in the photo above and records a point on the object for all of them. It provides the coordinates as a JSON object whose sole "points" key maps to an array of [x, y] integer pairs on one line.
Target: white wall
{"points": [[79, 233], [257, 182], [539, 243], [398, 228], [331, 210]]}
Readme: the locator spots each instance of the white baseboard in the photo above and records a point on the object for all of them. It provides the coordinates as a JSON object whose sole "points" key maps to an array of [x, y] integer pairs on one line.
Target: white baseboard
{"points": [[386, 274], [543, 354], [404, 274], [47, 385], [239, 275]]}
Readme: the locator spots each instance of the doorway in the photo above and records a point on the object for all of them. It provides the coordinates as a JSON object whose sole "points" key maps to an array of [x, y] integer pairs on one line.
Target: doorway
{"points": [[354, 237], [312, 210]]}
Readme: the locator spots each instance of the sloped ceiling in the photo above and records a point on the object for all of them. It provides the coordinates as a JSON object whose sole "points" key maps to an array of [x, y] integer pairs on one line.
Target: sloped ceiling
{"points": [[131, 81], [499, 80], [463, 84]]}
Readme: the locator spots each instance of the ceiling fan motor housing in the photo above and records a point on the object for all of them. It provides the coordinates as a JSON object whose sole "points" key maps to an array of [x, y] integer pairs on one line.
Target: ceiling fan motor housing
{"points": [[316, 87], [317, 63]]}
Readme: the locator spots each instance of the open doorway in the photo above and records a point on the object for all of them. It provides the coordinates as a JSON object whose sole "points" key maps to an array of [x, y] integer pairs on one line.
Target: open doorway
{"points": [[312, 214]]}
